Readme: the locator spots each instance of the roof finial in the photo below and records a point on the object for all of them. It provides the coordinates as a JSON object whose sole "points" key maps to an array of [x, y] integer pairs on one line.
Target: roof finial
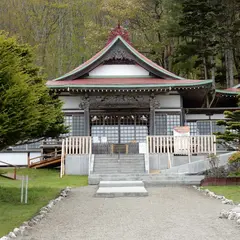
{"points": [[119, 31]]}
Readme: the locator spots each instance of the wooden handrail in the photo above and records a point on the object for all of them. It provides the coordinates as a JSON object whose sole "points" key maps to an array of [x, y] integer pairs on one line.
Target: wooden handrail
{"points": [[47, 154], [44, 155], [9, 164], [15, 169]]}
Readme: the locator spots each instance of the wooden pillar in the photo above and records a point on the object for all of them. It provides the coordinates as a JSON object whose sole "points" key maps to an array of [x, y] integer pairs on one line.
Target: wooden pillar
{"points": [[153, 105], [183, 117], [86, 122], [28, 158], [84, 105], [152, 122]]}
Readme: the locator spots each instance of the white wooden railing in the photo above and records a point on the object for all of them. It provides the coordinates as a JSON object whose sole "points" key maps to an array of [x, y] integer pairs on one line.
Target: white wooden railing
{"points": [[78, 145], [184, 145], [75, 145]]}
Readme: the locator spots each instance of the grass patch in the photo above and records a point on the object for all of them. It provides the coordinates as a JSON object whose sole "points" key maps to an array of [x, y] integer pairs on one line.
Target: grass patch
{"points": [[44, 185], [230, 192]]}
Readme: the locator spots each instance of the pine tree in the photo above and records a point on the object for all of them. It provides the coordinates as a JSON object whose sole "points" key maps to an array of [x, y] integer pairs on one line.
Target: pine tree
{"points": [[231, 135], [199, 26], [27, 111]]}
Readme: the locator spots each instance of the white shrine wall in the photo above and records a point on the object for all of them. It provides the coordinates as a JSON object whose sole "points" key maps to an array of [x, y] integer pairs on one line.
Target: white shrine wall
{"points": [[169, 101], [200, 117], [71, 102], [118, 70]]}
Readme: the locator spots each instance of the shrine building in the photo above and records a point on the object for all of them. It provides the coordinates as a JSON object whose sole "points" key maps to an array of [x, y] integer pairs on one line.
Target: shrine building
{"points": [[120, 96], [122, 110]]}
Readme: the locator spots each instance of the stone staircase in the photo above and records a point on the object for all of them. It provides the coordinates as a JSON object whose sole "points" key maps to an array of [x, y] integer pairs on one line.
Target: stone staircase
{"points": [[119, 164], [131, 168], [161, 179]]}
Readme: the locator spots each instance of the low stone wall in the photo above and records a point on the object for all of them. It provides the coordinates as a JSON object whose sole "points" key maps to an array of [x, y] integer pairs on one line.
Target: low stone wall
{"points": [[198, 164], [212, 181], [232, 214], [76, 164], [160, 161]]}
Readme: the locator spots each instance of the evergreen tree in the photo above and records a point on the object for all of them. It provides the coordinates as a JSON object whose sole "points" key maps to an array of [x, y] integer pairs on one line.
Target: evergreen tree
{"points": [[27, 111], [199, 26], [232, 133]]}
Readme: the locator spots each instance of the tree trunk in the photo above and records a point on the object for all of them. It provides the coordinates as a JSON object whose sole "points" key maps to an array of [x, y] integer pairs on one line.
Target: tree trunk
{"points": [[226, 66], [205, 68], [213, 68], [237, 63], [231, 67]]}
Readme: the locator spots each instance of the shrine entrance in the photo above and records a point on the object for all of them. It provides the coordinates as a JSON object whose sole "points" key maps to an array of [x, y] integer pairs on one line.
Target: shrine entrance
{"points": [[119, 132]]}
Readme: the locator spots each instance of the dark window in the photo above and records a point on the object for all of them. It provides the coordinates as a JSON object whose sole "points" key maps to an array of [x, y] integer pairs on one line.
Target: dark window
{"points": [[204, 127], [119, 128], [165, 122], [75, 124], [193, 128], [207, 127]]}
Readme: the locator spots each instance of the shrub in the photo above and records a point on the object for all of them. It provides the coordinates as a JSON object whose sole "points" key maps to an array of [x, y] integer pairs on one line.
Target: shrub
{"points": [[234, 164], [234, 158], [217, 172]]}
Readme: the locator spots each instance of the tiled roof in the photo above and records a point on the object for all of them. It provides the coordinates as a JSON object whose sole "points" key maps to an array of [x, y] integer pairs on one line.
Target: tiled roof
{"points": [[125, 82], [106, 49], [230, 91]]}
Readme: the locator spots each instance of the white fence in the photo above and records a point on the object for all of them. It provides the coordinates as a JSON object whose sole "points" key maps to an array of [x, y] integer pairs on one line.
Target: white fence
{"points": [[182, 145], [75, 145]]}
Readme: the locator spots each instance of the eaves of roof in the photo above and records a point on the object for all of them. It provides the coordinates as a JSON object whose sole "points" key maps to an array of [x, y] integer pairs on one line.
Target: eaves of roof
{"points": [[176, 84]]}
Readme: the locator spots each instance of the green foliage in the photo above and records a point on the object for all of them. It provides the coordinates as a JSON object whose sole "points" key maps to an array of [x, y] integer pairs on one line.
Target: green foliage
{"points": [[235, 158], [232, 124], [230, 192], [180, 35], [234, 164], [215, 170], [27, 111]]}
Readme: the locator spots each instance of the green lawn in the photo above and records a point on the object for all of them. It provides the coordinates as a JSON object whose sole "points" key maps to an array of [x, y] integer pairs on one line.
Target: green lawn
{"points": [[230, 192], [44, 185]]}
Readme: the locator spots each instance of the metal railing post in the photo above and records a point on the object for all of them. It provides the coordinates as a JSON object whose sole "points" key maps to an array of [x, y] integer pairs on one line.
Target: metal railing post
{"points": [[147, 161], [26, 190], [22, 186]]}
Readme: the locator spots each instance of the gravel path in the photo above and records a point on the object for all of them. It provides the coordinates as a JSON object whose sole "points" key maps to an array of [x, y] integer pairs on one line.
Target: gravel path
{"points": [[168, 213]]}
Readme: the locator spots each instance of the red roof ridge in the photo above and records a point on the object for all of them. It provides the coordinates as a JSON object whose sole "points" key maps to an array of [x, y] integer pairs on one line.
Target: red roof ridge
{"points": [[119, 31]]}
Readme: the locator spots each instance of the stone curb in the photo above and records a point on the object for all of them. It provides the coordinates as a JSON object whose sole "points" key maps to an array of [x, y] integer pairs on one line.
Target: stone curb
{"points": [[233, 214], [37, 218]]}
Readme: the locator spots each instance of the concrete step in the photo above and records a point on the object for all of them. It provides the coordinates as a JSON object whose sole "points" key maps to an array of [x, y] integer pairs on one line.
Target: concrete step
{"points": [[121, 189], [120, 169], [119, 166], [160, 180], [117, 171], [116, 155], [121, 192], [118, 160], [119, 163], [121, 184]]}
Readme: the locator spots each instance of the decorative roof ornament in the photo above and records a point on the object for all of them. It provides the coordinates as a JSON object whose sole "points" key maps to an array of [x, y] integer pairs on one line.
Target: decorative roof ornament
{"points": [[119, 31]]}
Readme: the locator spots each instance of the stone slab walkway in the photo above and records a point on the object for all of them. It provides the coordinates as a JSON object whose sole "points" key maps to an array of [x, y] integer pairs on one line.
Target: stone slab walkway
{"points": [[168, 213]]}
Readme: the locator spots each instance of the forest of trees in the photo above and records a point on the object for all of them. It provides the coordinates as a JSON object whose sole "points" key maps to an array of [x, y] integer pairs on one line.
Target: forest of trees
{"points": [[197, 39]]}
